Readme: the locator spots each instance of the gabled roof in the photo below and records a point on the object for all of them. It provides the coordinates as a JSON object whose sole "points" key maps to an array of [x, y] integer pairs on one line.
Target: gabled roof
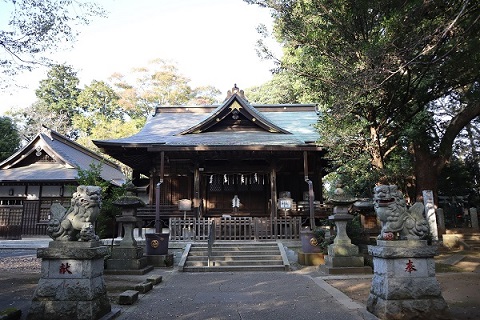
{"points": [[235, 106], [188, 126], [235, 125], [51, 156]]}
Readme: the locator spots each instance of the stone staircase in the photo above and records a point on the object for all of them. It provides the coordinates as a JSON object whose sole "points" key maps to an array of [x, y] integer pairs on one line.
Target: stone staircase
{"points": [[472, 239], [235, 256], [464, 238]]}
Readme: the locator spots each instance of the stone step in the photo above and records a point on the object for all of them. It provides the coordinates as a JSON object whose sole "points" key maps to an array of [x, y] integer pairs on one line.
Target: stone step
{"points": [[234, 263], [236, 268], [237, 248], [472, 237], [235, 257], [217, 253]]}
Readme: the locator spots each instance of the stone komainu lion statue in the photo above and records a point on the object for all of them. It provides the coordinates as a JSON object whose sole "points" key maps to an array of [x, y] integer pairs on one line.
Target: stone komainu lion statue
{"points": [[391, 209], [76, 223]]}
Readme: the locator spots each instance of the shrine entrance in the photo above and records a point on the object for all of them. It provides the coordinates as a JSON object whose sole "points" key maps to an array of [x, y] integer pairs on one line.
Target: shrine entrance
{"points": [[252, 191]]}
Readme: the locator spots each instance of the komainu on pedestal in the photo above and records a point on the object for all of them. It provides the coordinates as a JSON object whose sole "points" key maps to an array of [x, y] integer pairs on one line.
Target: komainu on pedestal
{"points": [[72, 284]]}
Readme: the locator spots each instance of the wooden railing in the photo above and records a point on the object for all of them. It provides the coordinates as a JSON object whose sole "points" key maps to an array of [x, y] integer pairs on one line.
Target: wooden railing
{"points": [[235, 228]]}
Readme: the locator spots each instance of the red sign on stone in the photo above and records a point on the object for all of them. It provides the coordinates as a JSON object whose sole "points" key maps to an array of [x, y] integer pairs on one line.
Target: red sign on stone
{"points": [[410, 267], [65, 268]]}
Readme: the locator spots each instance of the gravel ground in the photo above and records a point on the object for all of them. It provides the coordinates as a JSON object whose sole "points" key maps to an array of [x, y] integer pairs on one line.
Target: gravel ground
{"points": [[26, 263]]}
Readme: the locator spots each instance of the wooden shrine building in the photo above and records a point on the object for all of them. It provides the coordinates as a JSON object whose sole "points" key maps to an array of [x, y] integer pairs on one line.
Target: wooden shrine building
{"points": [[43, 172], [230, 159]]}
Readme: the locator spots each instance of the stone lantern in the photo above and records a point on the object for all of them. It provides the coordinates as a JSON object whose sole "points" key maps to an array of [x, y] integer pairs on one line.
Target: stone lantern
{"points": [[343, 256], [127, 255]]}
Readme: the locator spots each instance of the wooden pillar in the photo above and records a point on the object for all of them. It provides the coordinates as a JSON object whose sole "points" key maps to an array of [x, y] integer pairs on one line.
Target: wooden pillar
{"points": [[311, 192], [319, 180], [151, 187], [196, 190], [273, 192]]}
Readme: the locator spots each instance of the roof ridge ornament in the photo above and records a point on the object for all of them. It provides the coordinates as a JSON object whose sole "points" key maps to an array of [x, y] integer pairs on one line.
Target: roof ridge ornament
{"points": [[46, 131], [235, 90]]}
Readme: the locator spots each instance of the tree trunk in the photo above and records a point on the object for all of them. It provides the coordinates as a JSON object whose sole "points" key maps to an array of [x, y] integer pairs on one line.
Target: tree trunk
{"points": [[429, 166], [376, 149], [426, 172]]}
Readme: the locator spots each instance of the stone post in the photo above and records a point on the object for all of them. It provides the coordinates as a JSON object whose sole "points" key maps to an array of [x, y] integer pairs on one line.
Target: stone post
{"points": [[474, 218], [441, 222], [430, 213], [404, 284]]}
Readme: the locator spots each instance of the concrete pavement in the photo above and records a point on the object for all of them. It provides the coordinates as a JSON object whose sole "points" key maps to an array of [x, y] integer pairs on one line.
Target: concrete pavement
{"points": [[301, 294], [244, 295]]}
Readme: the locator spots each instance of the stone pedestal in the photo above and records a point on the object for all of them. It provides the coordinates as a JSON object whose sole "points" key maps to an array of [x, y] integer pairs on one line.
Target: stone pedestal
{"points": [[71, 284], [311, 259], [404, 284], [343, 256], [127, 257], [127, 260], [161, 260]]}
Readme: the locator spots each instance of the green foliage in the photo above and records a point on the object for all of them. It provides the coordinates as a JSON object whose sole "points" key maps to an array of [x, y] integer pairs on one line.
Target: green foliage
{"points": [[283, 88], [102, 117], [36, 28], [355, 230], [458, 179], [9, 138], [56, 105], [158, 84], [386, 73], [60, 90], [110, 193]]}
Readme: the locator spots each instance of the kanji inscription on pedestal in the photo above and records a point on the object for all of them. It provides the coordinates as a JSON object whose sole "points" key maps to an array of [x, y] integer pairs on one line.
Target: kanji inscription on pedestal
{"points": [[410, 267]]}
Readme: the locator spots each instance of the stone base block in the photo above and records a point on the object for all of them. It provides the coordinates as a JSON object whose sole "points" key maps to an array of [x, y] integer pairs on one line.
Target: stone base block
{"points": [[113, 314], [160, 260], [342, 250], [336, 262], [71, 284], [127, 264], [145, 270], [131, 253], [404, 284], [128, 297], [143, 287], [155, 279], [311, 259], [433, 308], [345, 270], [67, 309]]}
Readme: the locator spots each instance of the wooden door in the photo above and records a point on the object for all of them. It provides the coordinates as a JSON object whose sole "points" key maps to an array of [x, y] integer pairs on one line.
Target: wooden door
{"points": [[30, 217]]}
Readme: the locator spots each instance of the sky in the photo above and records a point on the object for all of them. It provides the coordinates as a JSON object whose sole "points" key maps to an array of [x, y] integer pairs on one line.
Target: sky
{"points": [[212, 42]]}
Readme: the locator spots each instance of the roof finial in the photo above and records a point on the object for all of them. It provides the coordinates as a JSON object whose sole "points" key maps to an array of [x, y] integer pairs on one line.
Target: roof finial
{"points": [[235, 90]]}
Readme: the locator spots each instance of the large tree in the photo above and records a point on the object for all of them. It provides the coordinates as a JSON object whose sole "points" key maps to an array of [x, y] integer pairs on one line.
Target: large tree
{"points": [[382, 71], [9, 138], [158, 84], [55, 107], [101, 116], [37, 28]]}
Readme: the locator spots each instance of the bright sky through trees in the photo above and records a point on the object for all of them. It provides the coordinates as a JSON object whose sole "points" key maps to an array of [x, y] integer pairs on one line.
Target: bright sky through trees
{"points": [[212, 41]]}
